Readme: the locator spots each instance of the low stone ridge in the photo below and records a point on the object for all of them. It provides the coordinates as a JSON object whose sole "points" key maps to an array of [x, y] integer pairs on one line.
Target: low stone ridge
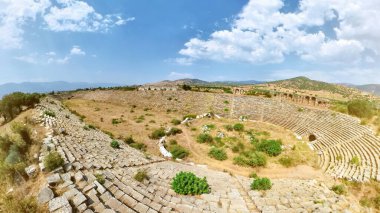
{"points": [[88, 153]]}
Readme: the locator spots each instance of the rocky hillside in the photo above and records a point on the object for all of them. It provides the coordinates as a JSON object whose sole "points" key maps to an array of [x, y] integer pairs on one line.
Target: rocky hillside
{"points": [[303, 83], [198, 82]]}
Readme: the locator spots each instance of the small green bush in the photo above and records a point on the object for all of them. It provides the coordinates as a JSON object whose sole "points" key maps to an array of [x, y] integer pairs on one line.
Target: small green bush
{"points": [[14, 156], [339, 189], [253, 175], [174, 131], [158, 133], [141, 175], [49, 113], [355, 161], [178, 151], [261, 184], [100, 178], [53, 160], [239, 127], [176, 122], [271, 147], [204, 138], [218, 154], [187, 183], [229, 128], [361, 108], [286, 161], [139, 146], [115, 144], [252, 159]]}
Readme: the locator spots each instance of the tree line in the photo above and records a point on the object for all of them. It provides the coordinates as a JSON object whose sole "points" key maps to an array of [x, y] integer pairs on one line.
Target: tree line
{"points": [[13, 104]]}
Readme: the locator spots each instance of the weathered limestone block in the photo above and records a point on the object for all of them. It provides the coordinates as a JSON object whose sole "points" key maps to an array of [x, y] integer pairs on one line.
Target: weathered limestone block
{"points": [[45, 195], [59, 203]]}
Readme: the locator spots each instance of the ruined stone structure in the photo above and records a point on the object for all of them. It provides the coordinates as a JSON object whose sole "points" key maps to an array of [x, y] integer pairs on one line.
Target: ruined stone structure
{"points": [[308, 100], [88, 152], [157, 88], [238, 90]]}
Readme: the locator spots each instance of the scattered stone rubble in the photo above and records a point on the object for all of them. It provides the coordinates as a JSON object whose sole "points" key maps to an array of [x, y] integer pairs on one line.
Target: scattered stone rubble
{"points": [[88, 152]]}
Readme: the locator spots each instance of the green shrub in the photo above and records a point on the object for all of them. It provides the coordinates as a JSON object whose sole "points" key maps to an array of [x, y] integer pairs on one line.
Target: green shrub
{"points": [[239, 127], [49, 113], [218, 153], [24, 131], [286, 161], [261, 184], [376, 202], [252, 159], [187, 183], [158, 133], [141, 175], [139, 146], [174, 131], [339, 189], [361, 108], [100, 178], [239, 147], [116, 121], [204, 138], [229, 128], [355, 161], [271, 147], [53, 160], [178, 151], [115, 144], [176, 122], [253, 175], [5, 143]]}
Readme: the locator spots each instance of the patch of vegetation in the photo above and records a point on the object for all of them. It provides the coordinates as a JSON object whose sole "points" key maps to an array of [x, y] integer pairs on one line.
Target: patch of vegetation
{"points": [[271, 147], [259, 92], [49, 113], [178, 151], [114, 144], [226, 102], [187, 183], [141, 175], [205, 138], [134, 144], [186, 87], [116, 121], [176, 122], [11, 203], [229, 127], [355, 161], [158, 133], [52, 161], [100, 178], [339, 189], [261, 184], [251, 159], [218, 153], [239, 127], [361, 108], [174, 131], [12, 104], [253, 175], [286, 161]]}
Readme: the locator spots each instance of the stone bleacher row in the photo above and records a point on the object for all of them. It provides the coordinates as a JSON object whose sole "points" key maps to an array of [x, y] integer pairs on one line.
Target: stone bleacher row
{"points": [[88, 152], [338, 137]]}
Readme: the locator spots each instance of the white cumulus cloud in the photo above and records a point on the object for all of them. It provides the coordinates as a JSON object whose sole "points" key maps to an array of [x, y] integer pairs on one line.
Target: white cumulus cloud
{"points": [[262, 33], [76, 50]]}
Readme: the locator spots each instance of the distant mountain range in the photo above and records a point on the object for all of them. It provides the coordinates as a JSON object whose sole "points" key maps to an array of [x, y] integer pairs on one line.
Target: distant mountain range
{"points": [[198, 82], [295, 83], [43, 87]]}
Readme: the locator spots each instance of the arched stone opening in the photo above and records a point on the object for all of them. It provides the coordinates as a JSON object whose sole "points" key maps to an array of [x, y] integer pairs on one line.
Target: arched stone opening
{"points": [[312, 137]]}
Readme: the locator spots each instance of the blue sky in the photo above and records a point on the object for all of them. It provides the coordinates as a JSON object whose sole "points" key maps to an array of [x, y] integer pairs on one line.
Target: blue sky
{"points": [[138, 41]]}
